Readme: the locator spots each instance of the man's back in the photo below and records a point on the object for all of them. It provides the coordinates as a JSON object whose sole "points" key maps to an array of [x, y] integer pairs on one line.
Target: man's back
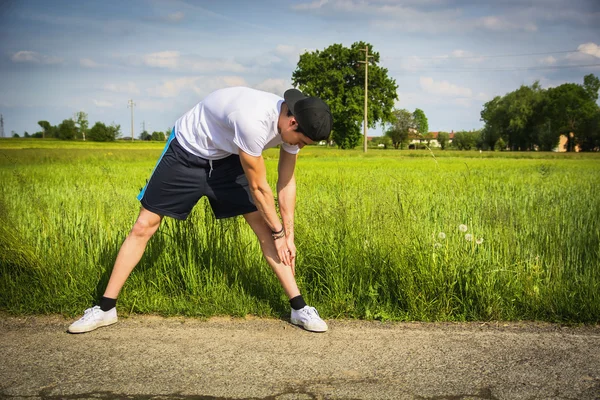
{"points": [[228, 120]]}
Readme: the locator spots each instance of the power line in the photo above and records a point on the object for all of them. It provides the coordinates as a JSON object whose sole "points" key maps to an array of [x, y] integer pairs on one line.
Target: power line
{"points": [[452, 69], [487, 56]]}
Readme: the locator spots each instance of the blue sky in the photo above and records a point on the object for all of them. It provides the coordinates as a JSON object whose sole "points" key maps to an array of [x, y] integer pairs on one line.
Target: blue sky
{"points": [[448, 57]]}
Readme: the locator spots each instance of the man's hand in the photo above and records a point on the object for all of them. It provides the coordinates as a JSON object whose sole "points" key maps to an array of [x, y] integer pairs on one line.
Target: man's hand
{"points": [[292, 250], [283, 252]]}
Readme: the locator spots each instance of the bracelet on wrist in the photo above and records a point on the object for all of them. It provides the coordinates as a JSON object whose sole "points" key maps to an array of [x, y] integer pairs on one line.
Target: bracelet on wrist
{"points": [[278, 235]]}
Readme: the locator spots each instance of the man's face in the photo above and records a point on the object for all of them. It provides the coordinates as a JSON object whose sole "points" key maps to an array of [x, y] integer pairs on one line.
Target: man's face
{"points": [[291, 136]]}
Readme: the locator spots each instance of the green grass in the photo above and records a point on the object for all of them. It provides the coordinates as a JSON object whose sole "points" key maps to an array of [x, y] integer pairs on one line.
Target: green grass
{"points": [[367, 232]]}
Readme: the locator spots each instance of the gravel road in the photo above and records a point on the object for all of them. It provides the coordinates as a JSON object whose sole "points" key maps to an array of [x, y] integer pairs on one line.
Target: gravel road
{"points": [[148, 357]]}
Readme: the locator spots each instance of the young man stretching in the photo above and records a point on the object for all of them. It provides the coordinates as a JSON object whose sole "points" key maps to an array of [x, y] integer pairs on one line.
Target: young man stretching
{"points": [[215, 150]]}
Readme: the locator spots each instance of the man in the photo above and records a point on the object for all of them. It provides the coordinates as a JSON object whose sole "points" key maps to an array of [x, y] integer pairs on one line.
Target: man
{"points": [[215, 150]]}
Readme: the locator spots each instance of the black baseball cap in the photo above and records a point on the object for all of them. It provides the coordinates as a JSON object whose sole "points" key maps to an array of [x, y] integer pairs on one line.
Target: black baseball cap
{"points": [[312, 114]]}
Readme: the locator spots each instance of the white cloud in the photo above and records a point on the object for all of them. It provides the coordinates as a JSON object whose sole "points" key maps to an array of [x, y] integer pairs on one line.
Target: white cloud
{"points": [[276, 86], [310, 6], [201, 86], [174, 60], [213, 65], [590, 48], [128, 88], [498, 23], [173, 87], [102, 103], [290, 53], [443, 88], [163, 59], [34, 57]]}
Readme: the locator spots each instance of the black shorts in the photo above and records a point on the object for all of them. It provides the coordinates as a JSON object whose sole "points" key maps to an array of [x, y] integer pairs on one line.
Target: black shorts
{"points": [[180, 179]]}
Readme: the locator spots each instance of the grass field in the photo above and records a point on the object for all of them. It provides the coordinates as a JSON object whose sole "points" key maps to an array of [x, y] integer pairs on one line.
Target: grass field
{"points": [[378, 236]]}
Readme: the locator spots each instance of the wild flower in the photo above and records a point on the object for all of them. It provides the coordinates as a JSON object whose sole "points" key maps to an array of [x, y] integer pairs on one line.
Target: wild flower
{"points": [[479, 241], [468, 237], [442, 235], [462, 228]]}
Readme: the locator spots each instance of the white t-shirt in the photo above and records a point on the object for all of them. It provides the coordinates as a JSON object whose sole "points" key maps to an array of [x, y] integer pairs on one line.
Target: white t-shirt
{"points": [[231, 119]]}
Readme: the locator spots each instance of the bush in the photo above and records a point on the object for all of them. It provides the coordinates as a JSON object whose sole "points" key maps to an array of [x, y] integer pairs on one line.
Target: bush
{"points": [[500, 145], [103, 133]]}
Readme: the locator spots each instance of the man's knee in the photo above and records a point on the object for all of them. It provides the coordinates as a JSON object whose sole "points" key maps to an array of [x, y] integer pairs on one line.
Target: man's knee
{"points": [[144, 228]]}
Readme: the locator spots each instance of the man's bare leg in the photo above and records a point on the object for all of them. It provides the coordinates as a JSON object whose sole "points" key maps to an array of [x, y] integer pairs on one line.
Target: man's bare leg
{"points": [[129, 255], [304, 316], [132, 250], [284, 273]]}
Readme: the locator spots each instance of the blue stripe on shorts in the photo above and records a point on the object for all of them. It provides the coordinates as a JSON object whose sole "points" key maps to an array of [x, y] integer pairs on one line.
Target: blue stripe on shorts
{"points": [[171, 137]]}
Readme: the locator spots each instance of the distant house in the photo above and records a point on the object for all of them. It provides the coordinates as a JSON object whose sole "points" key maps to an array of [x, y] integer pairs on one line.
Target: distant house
{"points": [[415, 139]]}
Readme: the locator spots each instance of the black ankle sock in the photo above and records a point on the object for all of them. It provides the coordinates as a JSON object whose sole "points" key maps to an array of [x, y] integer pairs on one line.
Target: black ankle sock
{"points": [[297, 302], [106, 303]]}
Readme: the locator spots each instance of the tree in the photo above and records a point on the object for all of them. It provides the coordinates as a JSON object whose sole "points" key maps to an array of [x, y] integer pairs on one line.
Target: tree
{"points": [[145, 135], [568, 108], [591, 85], [15, 134], [494, 116], [588, 137], [67, 130], [500, 145], [82, 120], [47, 129], [402, 122], [158, 136], [421, 124], [383, 140], [465, 140], [336, 75], [443, 138], [103, 133]]}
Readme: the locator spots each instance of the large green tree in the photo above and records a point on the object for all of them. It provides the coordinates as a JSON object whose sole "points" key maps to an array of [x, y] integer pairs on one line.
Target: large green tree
{"points": [[102, 133], [82, 122], [400, 126], [569, 107], [337, 76], [66, 130], [48, 130], [591, 85], [421, 123], [443, 139], [531, 117]]}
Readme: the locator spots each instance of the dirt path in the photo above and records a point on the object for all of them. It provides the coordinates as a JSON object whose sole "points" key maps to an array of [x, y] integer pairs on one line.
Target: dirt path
{"points": [[159, 358]]}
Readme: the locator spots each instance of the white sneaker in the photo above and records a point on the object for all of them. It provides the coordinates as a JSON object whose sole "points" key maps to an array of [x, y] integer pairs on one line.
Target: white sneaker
{"points": [[94, 318], [308, 318]]}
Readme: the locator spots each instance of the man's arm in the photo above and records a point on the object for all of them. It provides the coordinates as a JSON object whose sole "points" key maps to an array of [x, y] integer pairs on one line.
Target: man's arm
{"points": [[254, 168], [286, 193]]}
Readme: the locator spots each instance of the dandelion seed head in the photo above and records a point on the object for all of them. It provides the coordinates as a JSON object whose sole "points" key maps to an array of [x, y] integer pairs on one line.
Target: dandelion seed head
{"points": [[442, 235], [437, 245], [479, 241], [468, 237], [462, 228]]}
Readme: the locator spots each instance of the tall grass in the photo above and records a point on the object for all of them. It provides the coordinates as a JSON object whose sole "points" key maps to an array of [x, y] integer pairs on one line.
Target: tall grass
{"points": [[367, 231]]}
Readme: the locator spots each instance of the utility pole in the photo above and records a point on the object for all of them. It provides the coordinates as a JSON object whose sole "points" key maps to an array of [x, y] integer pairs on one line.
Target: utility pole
{"points": [[366, 62], [131, 104]]}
